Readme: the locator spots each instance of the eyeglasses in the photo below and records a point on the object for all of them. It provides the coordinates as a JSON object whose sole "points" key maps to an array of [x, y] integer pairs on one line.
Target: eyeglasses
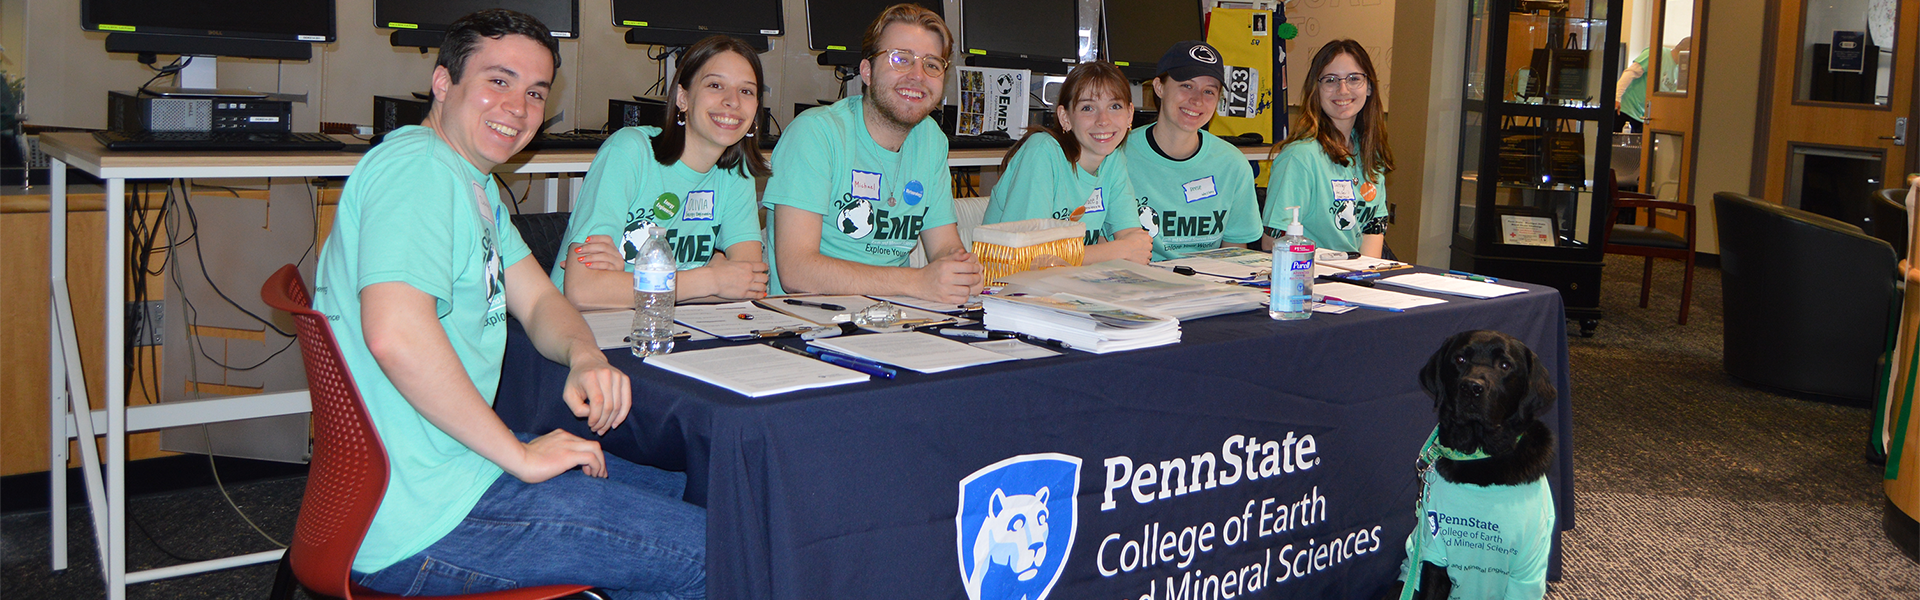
{"points": [[1356, 81], [902, 61]]}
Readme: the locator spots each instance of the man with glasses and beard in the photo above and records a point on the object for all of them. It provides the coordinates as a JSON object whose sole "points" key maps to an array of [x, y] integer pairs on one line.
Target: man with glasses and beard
{"points": [[856, 185]]}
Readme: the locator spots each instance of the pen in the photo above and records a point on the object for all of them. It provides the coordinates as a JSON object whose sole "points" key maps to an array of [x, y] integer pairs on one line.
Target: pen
{"points": [[1466, 275], [678, 336], [1337, 255], [1339, 279], [1339, 302], [1033, 339], [976, 333], [819, 305], [852, 362]]}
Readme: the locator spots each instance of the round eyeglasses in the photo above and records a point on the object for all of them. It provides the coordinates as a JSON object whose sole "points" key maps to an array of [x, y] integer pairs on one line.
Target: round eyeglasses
{"points": [[1356, 81], [902, 61]]}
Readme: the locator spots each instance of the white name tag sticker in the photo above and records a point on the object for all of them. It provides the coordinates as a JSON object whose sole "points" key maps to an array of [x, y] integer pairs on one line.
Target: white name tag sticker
{"points": [[1094, 203], [866, 185], [1199, 189], [699, 206], [1342, 189]]}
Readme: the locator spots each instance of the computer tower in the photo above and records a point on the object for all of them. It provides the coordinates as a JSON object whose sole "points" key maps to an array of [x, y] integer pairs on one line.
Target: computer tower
{"points": [[390, 113], [639, 111], [132, 113]]}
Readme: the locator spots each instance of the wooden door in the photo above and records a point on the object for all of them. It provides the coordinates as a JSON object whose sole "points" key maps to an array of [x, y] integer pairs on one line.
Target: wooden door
{"points": [[1674, 67], [1825, 119]]}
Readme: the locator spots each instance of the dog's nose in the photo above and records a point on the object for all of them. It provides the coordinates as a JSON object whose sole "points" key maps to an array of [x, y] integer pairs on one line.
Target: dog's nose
{"points": [[1472, 388]]}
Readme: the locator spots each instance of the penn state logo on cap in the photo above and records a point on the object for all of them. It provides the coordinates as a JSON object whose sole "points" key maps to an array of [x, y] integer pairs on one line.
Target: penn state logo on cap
{"points": [[1016, 526], [1204, 53]]}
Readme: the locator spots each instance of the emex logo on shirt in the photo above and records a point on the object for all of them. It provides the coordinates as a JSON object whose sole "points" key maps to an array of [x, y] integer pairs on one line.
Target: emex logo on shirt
{"points": [[860, 219]]}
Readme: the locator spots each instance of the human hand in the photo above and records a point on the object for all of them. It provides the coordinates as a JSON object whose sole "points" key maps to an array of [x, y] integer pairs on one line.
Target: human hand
{"points": [[951, 279], [737, 279], [558, 452], [599, 253], [597, 392], [1133, 244]]}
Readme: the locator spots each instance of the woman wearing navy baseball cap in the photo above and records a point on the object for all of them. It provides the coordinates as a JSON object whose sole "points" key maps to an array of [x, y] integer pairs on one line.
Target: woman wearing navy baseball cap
{"points": [[1196, 191]]}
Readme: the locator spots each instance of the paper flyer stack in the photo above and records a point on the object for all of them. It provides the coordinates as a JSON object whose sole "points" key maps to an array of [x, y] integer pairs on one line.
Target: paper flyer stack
{"points": [[1081, 323]]}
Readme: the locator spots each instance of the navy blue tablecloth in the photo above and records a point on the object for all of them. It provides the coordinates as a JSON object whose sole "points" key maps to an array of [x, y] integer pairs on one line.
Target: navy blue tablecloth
{"points": [[853, 491]]}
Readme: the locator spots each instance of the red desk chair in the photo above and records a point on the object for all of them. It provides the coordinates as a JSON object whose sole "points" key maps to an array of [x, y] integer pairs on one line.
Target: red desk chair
{"points": [[1650, 240], [348, 474]]}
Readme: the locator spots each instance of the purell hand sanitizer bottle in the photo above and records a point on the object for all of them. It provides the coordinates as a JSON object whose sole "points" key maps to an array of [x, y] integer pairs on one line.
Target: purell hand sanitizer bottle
{"points": [[1292, 283]]}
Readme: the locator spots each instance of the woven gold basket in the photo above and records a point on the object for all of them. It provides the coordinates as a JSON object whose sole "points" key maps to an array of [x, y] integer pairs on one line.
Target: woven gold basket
{"points": [[1008, 248]]}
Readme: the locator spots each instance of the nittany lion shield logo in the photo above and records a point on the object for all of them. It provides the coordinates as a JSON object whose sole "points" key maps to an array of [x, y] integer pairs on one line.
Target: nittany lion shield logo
{"points": [[856, 220], [1016, 526]]}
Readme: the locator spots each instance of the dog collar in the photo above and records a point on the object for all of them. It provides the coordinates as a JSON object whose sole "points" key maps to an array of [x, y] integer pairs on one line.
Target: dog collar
{"points": [[1434, 449]]}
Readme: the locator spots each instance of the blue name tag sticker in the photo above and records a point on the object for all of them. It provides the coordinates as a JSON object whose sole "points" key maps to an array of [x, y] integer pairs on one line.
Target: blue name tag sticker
{"points": [[1094, 203], [1199, 189], [914, 193], [699, 206], [866, 185]]}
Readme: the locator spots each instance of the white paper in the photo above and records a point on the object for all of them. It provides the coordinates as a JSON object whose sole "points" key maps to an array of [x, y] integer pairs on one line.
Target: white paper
{"points": [[1364, 263], [1219, 270], [723, 320], [1366, 296], [913, 350], [611, 327], [852, 304], [1450, 285], [1016, 349], [928, 305], [755, 370]]}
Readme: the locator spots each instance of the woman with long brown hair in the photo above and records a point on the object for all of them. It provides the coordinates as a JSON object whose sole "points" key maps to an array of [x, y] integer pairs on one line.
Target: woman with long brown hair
{"points": [[1335, 163]]}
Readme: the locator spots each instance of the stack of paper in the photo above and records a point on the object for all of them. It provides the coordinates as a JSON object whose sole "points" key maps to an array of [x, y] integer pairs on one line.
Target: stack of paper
{"points": [[913, 350], [1451, 285], [1080, 323], [610, 328], [1141, 288], [1367, 297], [771, 372]]}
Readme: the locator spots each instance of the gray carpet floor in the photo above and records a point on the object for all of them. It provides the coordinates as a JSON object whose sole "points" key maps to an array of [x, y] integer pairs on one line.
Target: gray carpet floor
{"points": [[1691, 485]]}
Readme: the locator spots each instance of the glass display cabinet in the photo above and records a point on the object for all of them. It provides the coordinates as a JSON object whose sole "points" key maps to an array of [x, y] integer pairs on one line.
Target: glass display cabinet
{"points": [[1536, 143]]}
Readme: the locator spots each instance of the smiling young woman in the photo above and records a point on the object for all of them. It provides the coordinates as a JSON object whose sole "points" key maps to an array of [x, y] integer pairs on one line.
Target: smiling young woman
{"points": [[1334, 164], [1074, 173]]}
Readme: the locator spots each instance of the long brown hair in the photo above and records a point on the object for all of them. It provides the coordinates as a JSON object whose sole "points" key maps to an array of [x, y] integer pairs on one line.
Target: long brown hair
{"points": [[744, 154], [1087, 78], [1370, 126]]}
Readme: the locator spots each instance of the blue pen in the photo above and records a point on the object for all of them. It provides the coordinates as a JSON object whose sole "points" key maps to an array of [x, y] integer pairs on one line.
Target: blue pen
{"points": [[1473, 276], [1339, 302], [851, 362]]}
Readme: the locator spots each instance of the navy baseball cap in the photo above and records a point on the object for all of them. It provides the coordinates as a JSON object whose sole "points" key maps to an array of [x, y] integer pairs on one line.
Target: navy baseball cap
{"points": [[1189, 59]]}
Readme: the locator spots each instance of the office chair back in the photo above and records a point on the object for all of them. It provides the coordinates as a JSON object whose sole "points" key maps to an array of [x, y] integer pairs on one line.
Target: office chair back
{"points": [[348, 474]]}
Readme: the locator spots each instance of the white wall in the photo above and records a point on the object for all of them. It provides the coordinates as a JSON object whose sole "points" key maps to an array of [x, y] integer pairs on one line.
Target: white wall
{"points": [[1369, 22]]}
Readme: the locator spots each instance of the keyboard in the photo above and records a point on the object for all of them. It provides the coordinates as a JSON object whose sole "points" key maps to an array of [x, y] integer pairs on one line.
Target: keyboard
{"points": [[572, 140], [962, 142], [224, 141]]}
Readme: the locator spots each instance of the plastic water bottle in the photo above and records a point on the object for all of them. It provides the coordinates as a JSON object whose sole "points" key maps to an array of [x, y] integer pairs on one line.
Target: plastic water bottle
{"points": [[1292, 276], [653, 277]]}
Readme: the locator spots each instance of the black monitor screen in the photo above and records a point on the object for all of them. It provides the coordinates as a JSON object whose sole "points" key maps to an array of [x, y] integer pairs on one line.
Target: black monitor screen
{"points": [[746, 17], [1139, 31], [562, 17], [1034, 29], [293, 20], [841, 24]]}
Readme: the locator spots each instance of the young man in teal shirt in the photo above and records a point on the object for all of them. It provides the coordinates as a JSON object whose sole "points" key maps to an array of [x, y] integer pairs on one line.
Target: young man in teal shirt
{"points": [[417, 280], [1198, 189], [857, 184]]}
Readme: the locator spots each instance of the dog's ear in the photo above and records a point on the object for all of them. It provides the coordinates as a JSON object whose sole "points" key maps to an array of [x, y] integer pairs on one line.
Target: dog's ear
{"points": [[1433, 376], [1540, 389]]}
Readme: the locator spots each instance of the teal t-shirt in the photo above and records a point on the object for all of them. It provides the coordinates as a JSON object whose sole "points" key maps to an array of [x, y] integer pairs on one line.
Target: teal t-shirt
{"points": [[1633, 101], [873, 203], [1194, 204], [1039, 183], [627, 190], [1337, 204], [1493, 539], [417, 213]]}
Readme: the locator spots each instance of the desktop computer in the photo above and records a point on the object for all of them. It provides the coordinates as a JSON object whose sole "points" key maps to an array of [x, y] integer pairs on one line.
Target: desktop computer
{"points": [[390, 113], [132, 112]]}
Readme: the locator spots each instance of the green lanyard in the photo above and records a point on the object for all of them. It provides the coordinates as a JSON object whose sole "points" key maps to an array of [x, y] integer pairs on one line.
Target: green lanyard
{"points": [[1432, 451]]}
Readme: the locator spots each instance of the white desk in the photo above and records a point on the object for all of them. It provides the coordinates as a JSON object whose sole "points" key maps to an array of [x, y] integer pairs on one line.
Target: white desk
{"points": [[67, 385]]}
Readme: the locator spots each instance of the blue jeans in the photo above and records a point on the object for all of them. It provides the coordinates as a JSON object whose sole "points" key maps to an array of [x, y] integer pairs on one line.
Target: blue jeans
{"points": [[629, 534]]}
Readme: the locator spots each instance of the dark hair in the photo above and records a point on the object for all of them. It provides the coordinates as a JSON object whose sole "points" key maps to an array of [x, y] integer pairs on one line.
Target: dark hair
{"points": [[909, 13], [1370, 126], [672, 141], [463, 37], [1084, 80]]}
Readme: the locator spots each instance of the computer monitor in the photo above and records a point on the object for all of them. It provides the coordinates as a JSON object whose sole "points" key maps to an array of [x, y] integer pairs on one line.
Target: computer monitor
{"points": [[836, 27], [423, 23], [683, 22], [1041, 35], [279, 30], [1134, 33]]}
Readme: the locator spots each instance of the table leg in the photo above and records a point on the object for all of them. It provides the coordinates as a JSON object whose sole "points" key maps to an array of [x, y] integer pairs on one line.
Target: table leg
{"points": [[57, 366], [553, 192], [116, 397]]}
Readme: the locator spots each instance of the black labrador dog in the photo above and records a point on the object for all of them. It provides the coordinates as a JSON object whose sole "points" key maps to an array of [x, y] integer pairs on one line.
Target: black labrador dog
{"points": [[1489, 390]]}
